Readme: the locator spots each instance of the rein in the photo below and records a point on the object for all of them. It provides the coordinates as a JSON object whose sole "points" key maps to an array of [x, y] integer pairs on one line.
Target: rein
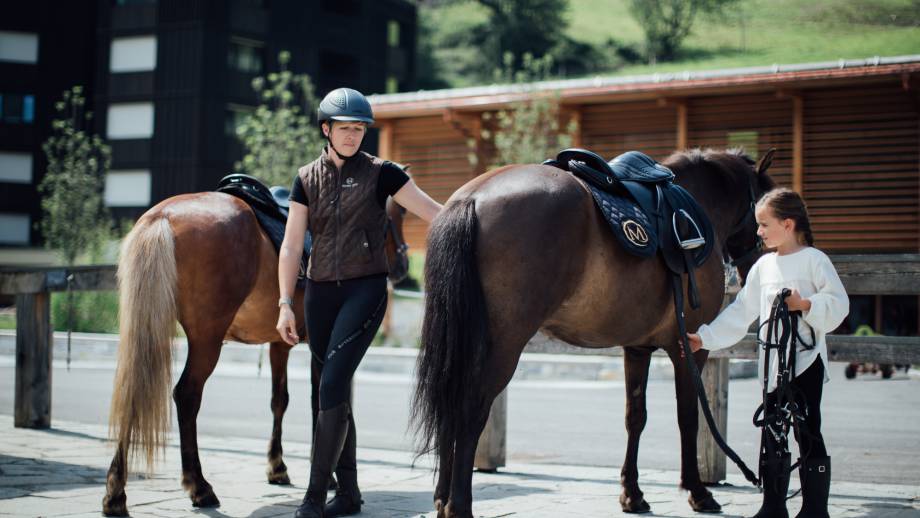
{"points": [[676, 286]]}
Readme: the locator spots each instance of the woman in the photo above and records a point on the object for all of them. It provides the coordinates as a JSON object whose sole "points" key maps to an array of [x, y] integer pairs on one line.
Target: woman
{"points": [[340, 197]]}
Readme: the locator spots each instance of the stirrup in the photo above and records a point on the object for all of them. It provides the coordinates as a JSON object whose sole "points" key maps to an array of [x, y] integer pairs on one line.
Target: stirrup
{"points": [[693, 242]]}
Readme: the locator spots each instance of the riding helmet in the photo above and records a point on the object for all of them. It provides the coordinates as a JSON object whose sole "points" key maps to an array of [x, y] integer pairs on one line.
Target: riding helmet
{"points": [[345, 104]]}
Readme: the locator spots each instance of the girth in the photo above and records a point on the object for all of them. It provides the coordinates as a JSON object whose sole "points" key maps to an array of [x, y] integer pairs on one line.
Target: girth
{"points": [[271, 209]]}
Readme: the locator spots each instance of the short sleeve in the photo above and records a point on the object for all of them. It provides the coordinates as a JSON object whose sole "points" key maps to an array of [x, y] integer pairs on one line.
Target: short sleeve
{"points": [[297, 192], [391, 180]]}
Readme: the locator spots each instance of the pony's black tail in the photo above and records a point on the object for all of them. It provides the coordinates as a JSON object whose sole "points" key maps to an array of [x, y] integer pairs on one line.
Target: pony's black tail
{"points": [[455, 336]]}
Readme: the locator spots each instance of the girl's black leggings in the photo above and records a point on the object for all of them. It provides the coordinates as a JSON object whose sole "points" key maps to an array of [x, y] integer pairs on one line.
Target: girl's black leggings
{"points": [[342, 318], [808, 388]]}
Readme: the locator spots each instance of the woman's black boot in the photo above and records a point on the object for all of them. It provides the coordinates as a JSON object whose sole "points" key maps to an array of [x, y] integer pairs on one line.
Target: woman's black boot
{"points": [[347, 500], [816, 486], [331, 429]]}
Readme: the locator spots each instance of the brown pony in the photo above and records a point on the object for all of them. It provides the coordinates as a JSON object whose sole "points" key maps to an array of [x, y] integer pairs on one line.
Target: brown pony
{"points": [[523, 248], [201, 259]]}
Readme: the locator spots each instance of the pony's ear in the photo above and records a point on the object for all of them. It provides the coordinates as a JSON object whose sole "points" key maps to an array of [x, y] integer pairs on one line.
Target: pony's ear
{"points": [[766, 161]]}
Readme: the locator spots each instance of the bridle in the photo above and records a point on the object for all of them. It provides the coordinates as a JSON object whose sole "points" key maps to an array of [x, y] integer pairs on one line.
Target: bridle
{"points": [[751, 253]]}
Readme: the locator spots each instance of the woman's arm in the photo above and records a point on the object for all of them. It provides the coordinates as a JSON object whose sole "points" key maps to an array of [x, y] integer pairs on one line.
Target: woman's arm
{"points": [[417, 202], [288, 265]]}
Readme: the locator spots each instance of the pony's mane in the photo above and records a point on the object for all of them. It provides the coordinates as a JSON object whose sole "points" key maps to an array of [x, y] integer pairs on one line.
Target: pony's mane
{"points": [[723, 163]]}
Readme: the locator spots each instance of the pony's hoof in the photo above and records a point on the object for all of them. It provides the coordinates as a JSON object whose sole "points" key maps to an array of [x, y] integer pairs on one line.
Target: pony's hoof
{"points": [[449, 512], [279, 479], [115, 505], [634, 504], [705, 504], [206, 499]]}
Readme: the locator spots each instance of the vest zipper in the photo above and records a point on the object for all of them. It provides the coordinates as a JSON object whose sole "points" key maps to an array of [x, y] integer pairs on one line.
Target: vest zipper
{"points": [[338, 222]]}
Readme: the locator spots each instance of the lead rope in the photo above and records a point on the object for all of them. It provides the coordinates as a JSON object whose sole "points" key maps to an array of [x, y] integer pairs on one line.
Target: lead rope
{"points": [[677, 286]]}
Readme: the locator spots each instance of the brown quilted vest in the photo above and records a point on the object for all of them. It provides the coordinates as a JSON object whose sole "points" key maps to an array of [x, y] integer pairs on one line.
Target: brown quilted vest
{"points": [[348, 226]]}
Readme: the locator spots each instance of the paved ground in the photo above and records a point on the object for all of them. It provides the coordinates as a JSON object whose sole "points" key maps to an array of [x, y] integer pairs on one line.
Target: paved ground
{"points": [[61, 472]]}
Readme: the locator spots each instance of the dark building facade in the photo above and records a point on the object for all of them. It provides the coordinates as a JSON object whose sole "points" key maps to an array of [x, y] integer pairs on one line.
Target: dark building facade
{"points": [[170, 79]]}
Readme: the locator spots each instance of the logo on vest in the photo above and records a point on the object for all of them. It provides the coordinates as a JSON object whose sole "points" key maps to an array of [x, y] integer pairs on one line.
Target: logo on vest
{"points": [[635, 233], [349, 183]]}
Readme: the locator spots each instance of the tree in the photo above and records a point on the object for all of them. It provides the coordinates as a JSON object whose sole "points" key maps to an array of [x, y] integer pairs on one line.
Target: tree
{"points": [[667, 22], [521, 27], [279, 136], [75, 218], [529, 131]]}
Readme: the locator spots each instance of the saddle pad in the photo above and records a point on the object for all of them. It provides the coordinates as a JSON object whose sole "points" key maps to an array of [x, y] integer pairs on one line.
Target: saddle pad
{"points": [[627, 221]]}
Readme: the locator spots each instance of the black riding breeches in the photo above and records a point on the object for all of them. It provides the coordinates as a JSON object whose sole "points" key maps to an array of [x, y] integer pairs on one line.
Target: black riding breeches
{"points": [[342, 318], [807, 388]]}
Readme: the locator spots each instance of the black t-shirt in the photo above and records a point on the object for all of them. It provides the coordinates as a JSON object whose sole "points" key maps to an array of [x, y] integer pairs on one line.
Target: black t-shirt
{"points": [[389, 181]]}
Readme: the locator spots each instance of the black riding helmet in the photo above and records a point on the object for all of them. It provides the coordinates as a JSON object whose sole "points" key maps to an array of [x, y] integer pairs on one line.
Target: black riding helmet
{"points": [[345, 104]]}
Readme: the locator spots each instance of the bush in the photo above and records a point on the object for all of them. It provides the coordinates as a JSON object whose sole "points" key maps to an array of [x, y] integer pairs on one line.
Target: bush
{"points": [[93, 312]]}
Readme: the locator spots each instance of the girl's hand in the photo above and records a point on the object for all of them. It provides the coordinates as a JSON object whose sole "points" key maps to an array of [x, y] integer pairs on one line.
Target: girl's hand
{"points": [[695, 343], [287, 325], [795, 302]]}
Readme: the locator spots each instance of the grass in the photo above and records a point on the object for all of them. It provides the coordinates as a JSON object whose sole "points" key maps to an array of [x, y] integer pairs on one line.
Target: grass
{"points": [[748, 33]]}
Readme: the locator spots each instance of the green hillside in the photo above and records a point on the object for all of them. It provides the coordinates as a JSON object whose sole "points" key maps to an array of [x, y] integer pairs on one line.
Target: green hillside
{"points": [[749, 33]]}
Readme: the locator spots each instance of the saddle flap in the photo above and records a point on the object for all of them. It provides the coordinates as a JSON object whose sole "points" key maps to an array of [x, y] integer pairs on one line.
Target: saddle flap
{"points": [[639, 167]]}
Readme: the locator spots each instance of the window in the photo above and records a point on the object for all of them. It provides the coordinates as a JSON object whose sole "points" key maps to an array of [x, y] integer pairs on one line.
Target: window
{"points": [[393, 33], [245, 55], [136, 54], [14, 229], [744, 139], [17, 108], [127, 188], [18, 47], [15, 167], [236, 115], [130, 120]]}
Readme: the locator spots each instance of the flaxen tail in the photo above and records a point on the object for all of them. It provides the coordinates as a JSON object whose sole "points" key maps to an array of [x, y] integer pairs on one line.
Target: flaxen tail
{"points": [[140, 415]]}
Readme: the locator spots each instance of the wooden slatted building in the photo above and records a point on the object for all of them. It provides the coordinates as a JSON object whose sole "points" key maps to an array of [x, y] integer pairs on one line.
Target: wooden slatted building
{"points": [[847, 135]]}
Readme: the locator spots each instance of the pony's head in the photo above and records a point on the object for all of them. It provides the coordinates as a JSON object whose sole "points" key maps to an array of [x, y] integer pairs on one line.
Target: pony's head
{"points": [[738, 182], [396, 248]]}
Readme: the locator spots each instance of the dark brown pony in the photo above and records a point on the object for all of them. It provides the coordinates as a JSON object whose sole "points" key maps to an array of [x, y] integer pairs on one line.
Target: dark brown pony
{"points": [[202, 260], [522, 248]]}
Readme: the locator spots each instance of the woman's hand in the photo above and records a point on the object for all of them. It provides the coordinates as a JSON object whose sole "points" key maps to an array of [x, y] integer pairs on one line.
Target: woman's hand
{"points": [[795, 302], [287, 325]]}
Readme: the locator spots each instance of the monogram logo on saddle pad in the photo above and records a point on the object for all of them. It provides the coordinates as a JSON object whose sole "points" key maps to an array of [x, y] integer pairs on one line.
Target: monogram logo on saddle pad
{"points": [[635, 233]]}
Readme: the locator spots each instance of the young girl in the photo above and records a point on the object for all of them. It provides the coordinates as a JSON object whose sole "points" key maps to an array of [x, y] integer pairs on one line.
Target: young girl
{"points": [[816, 291]]}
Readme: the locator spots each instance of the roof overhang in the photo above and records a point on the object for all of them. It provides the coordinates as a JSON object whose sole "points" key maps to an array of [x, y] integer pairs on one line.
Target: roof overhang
{"points": [[777, 78]]}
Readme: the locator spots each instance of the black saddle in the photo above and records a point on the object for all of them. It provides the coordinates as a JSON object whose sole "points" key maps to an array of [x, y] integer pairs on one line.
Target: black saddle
{"points": [[271, 208], [645, 209]]}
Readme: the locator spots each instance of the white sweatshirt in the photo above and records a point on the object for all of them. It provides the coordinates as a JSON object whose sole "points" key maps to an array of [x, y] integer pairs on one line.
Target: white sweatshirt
{"points": [[811, 273]]}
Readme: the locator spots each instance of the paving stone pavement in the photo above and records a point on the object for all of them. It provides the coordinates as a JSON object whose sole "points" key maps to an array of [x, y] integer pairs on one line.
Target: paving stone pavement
{"points": [[61, 472]]}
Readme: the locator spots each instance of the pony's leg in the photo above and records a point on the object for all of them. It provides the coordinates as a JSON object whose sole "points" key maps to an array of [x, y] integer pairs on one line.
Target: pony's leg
{"points": [[115, 501], [202, 358], [278, 354], [445, 467], [701, 499], [460, 504], [636, 363]]}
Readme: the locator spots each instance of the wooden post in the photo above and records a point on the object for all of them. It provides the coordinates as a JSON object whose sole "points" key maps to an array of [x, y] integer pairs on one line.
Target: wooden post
{"points": [[710, 458], [682, 125], [385, 141], [33, 361], [798, 144], [490, 452]]}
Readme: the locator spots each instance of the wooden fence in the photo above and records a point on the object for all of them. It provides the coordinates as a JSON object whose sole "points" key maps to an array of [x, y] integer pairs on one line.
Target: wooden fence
{"points": [[861, 274]]}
